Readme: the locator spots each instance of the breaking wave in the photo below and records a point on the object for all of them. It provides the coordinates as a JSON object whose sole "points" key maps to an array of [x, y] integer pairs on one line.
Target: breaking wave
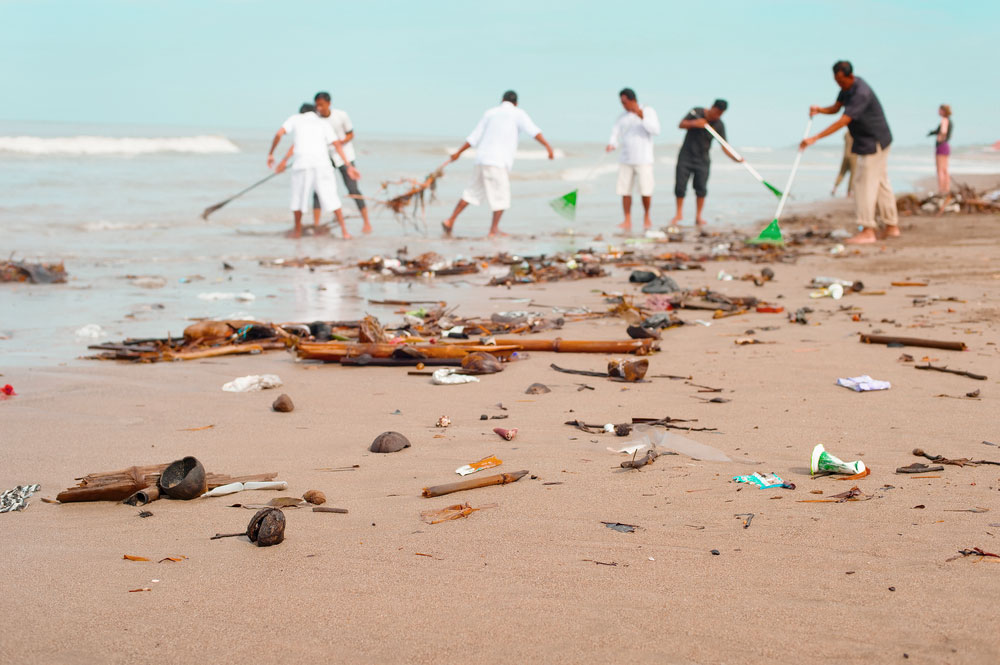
{"points": [[108, 145]]}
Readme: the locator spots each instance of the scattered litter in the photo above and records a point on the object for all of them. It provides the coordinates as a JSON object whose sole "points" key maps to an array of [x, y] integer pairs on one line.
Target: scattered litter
{"points": [[508, 434], [912, 341], [36, 273], [145, 513], [90, 331], [137, 590], [233, 488], [628, 370], [835, 291], [716, 552], [285, 502], [770, 481], [918, 467], [977, 509], [863, 383], [747, 518], [389, 442], [537, 389], [266, 528], [975, 551], [960, 461], [455, 512], [283, 404], [447, 376], [17, 498], [824, 461], [326, 509], [978, 377], [619, 526], [245, 296], [252, 383], [485, 463], [448, 488], [314, 497], [443, 421], [132, 557], [7, 392]]}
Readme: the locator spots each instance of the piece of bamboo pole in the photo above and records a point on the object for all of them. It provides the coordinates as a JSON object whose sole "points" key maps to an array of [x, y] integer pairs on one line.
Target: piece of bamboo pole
{"points": [[913, 341], [486, 481], [581, 346]]}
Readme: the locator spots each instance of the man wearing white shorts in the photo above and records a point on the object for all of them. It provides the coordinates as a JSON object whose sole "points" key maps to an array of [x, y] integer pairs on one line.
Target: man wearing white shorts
{"points": [[634, 131], [495, 140], [312, 170]]}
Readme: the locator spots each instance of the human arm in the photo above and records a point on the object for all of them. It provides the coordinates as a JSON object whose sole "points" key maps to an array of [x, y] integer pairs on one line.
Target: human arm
{"points": [[693, 123], [458, 153], [541, 139], [827, 110], [615, 137], [942, 134], [650, 121], [274, 144], [841, 122], [348, 137], [283, 164], [351, 171]]}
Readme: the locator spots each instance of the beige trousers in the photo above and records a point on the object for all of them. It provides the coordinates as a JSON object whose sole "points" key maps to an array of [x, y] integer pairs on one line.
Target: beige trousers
{"points": [[872, 191]]}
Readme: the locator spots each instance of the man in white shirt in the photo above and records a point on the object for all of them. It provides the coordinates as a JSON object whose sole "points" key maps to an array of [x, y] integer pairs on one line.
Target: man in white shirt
{"points": [[342, 127], [634, 131], [311, 170], [495, 141]]}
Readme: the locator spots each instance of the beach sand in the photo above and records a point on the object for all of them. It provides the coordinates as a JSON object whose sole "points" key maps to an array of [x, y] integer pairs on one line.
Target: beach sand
{"points": [[854, 582]]}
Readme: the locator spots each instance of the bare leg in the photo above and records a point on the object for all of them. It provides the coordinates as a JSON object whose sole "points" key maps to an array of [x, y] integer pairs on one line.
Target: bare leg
{"points": [[449, 223], [947, 175], [627, 209], [367, 228], [699, 220], [297, 231], [495, 226], [647, 202], [317, 213], [680, 212], [339, 214]]}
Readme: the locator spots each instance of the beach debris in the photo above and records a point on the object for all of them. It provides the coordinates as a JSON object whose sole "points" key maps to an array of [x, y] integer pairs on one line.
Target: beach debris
{"points": [[133, 557], [636, 464], [90, 331], [485, 463], [962, 198], [36, 273], [747, 518], [978, 377], [447, 376], [977, 509], [621, 527], [508, 434], [7, 391], [824, 282], [962, 461], [285, 502], [538, 269], [243, 296], [764, 482], [443, 421], [252, 383], [715, 552], [389, 442], [143, 496], [119, 485], [314, 497], [835, 291], [912, 341], [145, 513], [975, 551], [326, 509], [765, 308], [486, 481], [799, 316], [863, 383], [479, 362], [684, 445], [853, 494], [661, 284], [919, 467], [266, 528], [183, 479], [629, 370], [233, 488], [371, 331], [641, 276], [537, 389], [454, 512], [640, 332], [822, 461], [17, 498], [283, 404]]}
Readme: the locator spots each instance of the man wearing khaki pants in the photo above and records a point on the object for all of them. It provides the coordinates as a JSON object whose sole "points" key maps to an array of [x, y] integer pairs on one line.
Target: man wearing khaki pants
{"points": [[634, 131], [866, 122]]}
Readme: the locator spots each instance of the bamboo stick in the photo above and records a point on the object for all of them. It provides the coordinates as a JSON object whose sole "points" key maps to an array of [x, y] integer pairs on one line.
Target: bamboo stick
{"points": [[913, 341], [486, 481]]}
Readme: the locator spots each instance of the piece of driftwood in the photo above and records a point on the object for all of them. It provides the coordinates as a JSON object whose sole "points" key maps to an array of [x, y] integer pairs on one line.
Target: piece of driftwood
{"points": [[119, 485], [960, 461], [486, 481], [334, 351], [978, 377], [648, 458], [637, 346], [913, 341], [327, 509]]}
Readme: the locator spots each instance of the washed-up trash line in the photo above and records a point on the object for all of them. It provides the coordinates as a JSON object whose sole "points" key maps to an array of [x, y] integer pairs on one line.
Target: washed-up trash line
{"points": [[17, 498]]}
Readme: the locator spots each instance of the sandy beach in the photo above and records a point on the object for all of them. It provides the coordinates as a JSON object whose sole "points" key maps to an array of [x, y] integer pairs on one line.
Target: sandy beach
{"points": [[538, 577]]}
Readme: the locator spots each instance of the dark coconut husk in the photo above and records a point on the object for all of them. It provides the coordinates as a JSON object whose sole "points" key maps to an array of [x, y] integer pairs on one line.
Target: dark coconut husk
{"points": [[389, 442], [183, 479], [479, 362], [267, 527]]}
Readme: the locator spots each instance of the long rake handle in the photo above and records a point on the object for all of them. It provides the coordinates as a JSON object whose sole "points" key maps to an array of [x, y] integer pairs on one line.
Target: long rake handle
{"points": [[791, 176], [731, 149]]}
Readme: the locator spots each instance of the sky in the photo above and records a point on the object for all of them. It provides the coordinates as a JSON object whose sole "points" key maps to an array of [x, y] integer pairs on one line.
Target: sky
{"points": [[429, 69]]}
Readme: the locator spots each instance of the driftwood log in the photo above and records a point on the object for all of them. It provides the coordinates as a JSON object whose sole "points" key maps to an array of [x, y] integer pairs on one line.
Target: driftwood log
{"points": [[486, 481], [119, 485]]}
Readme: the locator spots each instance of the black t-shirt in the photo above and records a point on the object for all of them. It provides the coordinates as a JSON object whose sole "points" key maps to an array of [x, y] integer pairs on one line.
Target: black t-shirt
{"points": [[698, 141], [868, 125]]}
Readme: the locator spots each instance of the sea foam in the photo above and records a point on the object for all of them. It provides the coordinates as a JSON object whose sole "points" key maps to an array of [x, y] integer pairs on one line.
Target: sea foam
{"points": [[108, 145]]}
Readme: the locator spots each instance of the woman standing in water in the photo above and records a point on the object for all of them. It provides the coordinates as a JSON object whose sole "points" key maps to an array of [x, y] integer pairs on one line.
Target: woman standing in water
{"points": [[942, 150]]}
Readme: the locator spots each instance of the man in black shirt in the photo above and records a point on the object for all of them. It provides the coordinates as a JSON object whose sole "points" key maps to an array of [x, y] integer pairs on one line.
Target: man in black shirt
{"points": [[866, 122], [693, 160]]}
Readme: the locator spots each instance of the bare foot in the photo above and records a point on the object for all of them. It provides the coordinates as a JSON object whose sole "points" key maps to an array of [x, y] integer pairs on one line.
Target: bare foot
{"points": [[320, 230], [701, 223], [647, 223], [347, 236], [866, 237], [294, 233], [626, 226], [446, 227], [892, 231], [496, 234], [676, 220], [366, 229]]}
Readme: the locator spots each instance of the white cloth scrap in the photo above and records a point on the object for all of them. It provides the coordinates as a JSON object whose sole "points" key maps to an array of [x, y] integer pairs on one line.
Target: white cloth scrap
{"points": [[863, 383], [252, 383]]}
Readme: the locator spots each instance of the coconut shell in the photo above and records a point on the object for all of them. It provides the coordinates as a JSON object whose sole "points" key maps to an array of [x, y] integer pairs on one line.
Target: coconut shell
{"points": [[537, 389], [207, 330], [480, 362], [389, 442], [267, 527], [283, 404], [315, 497]]}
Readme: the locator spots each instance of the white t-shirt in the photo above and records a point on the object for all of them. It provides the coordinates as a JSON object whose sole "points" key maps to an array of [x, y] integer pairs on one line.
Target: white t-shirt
{"points": [[635, 135], [341, 124], [495, 137], [312, 138]]}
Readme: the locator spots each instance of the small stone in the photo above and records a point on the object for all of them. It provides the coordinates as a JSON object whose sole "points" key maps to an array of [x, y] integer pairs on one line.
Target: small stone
{"points": [[716, 552], [389, 442], [283, 404], [537, 389]]}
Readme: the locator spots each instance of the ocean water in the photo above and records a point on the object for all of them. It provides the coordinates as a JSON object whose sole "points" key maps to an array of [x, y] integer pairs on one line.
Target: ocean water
{"points": [[121, 206]]}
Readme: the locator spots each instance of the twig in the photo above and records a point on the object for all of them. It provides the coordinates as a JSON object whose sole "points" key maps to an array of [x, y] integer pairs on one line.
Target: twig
{"points": [[978, 377]]}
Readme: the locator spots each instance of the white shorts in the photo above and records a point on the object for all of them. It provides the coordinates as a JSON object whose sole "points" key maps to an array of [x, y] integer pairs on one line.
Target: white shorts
{"points": [[491, 183], [629, 173], [319, 180]]}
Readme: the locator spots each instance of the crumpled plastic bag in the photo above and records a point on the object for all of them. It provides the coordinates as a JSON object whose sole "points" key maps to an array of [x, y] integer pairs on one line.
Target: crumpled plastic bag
{"points": [[863, 383], [447, 376], [17, 498], [252, 383]]}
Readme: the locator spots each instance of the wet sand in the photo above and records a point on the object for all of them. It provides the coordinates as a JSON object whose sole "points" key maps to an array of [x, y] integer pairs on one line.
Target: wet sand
{"points": [[853, 582]]}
